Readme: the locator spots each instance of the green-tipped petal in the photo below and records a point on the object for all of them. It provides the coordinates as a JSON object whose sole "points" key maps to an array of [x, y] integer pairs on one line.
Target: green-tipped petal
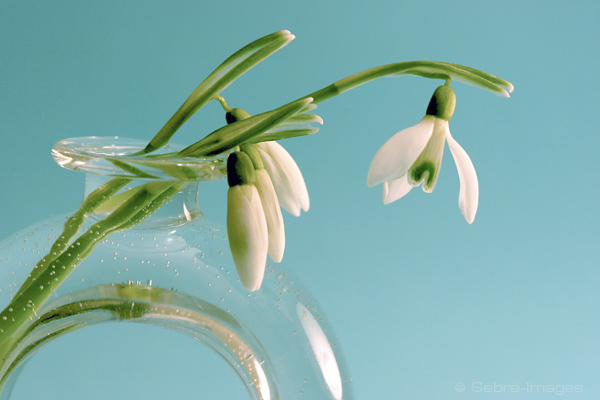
{"points": [[247, 231], [468, 197], [399, 153], [426, 167]]}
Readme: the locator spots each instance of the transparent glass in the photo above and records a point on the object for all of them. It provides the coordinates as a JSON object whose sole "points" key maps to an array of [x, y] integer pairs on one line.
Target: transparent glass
{"points": [[173, 270]]}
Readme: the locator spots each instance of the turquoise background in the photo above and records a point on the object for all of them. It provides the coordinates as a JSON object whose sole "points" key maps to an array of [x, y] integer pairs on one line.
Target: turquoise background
{"points": [[421, 300]]}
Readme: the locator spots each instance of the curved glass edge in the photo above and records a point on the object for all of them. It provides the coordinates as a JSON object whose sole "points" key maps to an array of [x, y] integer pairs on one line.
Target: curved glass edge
{"points": [[283, 320], [186, 314], [113, 156]]}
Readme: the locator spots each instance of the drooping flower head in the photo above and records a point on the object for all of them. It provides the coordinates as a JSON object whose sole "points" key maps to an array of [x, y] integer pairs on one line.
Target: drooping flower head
{"points": [[266, 168], [414, 156], [246, 222]]}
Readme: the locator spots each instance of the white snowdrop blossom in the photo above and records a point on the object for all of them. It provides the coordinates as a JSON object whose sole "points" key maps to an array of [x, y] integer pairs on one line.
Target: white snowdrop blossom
{"points": [[286, 177], [246, 222], [414, 156]]}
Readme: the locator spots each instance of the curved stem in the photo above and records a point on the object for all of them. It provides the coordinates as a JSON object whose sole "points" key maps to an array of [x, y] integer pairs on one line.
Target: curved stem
{"points": [[426, 69]]}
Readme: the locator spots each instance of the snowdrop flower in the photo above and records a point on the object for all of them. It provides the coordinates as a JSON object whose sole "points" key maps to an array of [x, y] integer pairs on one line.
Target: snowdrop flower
{"points": [[286, 177], [270, 204], [246, 222], [414, 156]]}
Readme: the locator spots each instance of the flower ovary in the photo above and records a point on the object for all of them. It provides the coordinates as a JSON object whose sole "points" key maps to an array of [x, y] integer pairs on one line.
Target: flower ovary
{"points": [[442, 103], [240, 170]]}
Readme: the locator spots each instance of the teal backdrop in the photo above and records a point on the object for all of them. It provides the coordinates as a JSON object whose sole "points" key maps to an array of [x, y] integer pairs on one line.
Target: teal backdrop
{"points": [[425, 305]]}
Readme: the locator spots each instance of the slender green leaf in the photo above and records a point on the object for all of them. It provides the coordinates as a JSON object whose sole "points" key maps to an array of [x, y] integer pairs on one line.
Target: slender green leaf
{"points": [[236, 133], [232, 68]]}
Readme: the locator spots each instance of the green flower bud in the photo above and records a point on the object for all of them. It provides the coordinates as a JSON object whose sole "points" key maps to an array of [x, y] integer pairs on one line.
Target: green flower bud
{"points": [[236, 114], [240, 170], [442, 103]]}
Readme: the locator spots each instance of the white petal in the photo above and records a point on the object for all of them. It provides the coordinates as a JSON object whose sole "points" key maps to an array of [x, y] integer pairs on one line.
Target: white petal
{"points": [[286, 177], [293, 172], [281, 183], [397, 155], [395, 189], [468, 197], [272, 213], [247, 231]]}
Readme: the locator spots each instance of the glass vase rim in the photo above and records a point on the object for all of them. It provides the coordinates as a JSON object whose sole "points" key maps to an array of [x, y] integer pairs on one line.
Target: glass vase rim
{"points": [[115, 156]]}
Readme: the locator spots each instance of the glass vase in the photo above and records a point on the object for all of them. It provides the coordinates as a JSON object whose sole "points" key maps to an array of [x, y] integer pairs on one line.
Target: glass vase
{"points": [[172, 269]]}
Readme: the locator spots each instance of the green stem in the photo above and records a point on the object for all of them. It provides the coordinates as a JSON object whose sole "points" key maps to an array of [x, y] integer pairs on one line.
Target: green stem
{"points": [[15, 318], [73, 225], [426, 69]]}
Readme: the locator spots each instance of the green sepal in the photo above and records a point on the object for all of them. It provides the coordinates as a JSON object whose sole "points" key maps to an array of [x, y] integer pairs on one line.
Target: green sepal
{"points": [[240, 170]]}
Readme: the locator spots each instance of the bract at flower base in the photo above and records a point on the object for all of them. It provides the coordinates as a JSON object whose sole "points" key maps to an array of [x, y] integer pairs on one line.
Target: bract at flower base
{"points": [[174, 270]]}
